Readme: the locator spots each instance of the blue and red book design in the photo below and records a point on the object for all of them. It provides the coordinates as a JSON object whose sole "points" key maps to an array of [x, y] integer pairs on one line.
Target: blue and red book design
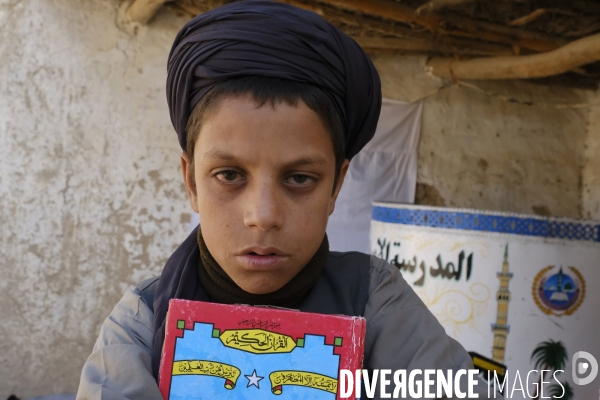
{"points": [[219, 351]]}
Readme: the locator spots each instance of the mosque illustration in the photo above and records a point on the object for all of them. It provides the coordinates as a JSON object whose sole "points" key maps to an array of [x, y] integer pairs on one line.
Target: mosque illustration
{"points": [[501, 327], [559, 292]]}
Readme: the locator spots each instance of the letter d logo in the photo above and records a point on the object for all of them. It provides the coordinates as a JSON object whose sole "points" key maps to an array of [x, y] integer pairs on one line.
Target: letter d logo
{"points": [[582, 367]]}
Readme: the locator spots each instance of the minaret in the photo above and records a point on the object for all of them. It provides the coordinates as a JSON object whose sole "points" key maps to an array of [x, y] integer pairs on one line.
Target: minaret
{"points": [[501, 328]]}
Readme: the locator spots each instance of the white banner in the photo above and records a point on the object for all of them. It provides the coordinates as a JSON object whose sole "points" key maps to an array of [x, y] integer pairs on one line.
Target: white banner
{"points": [[516, 289]]}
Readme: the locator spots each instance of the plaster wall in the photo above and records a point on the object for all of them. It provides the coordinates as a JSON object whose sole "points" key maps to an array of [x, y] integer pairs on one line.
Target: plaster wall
{"points": [[91, 199], [511, 146], [591, 170]]}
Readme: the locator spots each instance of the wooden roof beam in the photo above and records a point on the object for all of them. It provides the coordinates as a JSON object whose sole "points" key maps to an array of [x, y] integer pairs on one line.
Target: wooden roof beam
{"points": [[427, 46], [388, 10], [436, 5], [465, 27], [447, 44], [570, 56], [192, 8], [422, 46], [142, 11]]}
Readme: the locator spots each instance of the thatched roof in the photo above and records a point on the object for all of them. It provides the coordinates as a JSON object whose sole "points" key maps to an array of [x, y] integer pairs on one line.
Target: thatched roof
{"points": [[460, 30]]}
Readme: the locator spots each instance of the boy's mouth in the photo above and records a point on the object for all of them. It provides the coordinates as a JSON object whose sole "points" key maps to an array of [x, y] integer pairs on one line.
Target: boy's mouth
{"points": [[259, 258]]}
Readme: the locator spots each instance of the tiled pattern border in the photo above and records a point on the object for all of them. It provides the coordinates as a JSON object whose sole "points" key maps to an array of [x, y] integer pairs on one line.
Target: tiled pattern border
{"points": [[518, 225]]}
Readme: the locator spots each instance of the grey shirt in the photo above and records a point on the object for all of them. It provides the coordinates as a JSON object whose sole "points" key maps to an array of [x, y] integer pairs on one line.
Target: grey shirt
{"points": [[401, 334]]}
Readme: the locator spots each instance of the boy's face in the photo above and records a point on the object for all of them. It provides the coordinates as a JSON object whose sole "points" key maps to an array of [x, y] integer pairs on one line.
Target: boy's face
{"points": [[262, 182]]}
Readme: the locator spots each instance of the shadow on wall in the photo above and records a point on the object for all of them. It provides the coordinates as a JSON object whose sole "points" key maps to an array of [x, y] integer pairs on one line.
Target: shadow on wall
{"points": [[428, 195]]}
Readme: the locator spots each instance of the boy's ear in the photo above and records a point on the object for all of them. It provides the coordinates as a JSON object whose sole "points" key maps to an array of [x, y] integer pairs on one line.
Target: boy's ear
{"points": [[338, 187], [187, 169]]}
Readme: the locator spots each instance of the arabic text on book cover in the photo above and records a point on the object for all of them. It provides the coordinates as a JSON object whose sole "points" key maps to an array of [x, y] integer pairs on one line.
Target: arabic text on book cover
{"points": [[214, 351]]}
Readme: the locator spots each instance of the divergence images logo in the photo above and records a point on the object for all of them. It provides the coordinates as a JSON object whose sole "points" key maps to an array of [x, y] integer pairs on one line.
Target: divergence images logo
{"points": [[581, 367]]}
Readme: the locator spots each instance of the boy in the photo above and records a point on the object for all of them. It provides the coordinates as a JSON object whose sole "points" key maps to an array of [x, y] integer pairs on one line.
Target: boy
{"points": [[270, 103]]}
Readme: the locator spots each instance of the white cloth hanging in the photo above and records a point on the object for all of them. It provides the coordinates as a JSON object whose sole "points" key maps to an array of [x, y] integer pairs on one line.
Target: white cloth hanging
{"points": [[385, 170]]}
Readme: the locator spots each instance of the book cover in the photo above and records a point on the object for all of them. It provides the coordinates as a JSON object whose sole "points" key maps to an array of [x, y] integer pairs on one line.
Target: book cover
{"points": [[220, 351]]}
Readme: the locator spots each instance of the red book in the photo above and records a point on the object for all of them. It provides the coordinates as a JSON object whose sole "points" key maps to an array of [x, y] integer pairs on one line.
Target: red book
{"points": [[220, 351]]}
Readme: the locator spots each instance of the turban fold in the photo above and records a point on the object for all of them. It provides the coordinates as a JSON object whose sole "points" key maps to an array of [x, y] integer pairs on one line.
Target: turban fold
{"points": [[270, 39]]}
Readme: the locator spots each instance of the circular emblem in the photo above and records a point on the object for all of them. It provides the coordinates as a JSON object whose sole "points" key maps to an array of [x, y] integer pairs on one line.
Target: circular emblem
{"points": [[557, 291]]}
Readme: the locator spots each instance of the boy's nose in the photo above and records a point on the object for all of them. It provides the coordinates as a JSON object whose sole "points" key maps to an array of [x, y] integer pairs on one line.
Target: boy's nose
{"points": [[262, 209]]}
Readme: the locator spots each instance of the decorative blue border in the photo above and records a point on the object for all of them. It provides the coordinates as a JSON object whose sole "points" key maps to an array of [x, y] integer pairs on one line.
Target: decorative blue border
{"points": [[529, 226]]}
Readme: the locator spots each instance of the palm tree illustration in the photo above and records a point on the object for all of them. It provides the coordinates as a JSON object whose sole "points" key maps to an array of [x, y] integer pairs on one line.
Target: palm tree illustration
{"points": [[549, 356], [557, 392]]}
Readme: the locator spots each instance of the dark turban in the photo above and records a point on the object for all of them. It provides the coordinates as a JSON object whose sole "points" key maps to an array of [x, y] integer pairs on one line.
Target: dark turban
{"points": [[263, 38]]}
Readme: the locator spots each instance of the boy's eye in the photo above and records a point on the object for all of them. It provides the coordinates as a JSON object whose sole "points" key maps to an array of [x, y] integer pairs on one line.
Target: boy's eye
{"points": [[300, 180], [229, 176]]}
